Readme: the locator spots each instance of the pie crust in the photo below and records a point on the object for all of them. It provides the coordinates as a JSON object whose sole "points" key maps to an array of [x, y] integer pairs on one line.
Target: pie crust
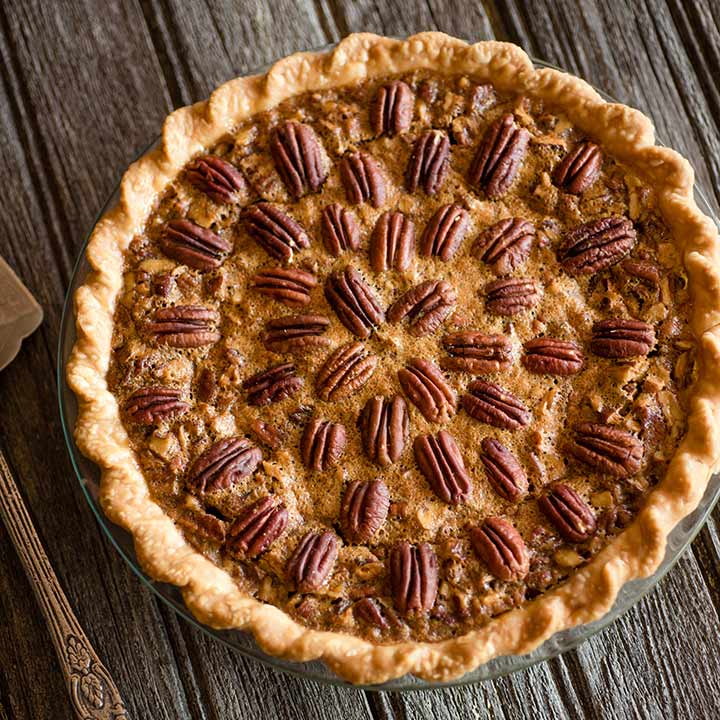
{"points": [[209, 591]]}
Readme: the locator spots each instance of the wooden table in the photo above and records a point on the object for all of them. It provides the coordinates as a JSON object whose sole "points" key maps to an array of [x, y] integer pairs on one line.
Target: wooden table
{"points": [[84, 86]]}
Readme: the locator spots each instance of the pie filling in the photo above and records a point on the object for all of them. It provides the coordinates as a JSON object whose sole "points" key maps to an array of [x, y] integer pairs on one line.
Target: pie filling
{"points": [[403, 355]]}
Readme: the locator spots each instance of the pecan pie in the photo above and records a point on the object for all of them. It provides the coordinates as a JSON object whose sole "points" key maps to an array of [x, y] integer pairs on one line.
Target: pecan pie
{"points": [[403, 356]]}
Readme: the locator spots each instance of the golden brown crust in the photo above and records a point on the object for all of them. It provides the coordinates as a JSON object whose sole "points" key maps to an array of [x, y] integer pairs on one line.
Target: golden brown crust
{"points": [[210, 592]]}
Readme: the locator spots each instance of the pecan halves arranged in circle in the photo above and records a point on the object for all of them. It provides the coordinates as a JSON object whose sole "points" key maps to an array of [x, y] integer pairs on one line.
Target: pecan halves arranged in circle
{"points": [[428, 390], [505, 245], [413, 577], [217, 178], [499, 156], [619, 338], [195, 246], [510, 296], [569, 513], [439, 459], [501, 547], [429, 162], [425, 306], [579, 169], [354, 302], [445, 232], [275, 231], [392, 108], [504, 472], [346, 370], [295, 333], [185, 326], [312, 562], [491, 404], [363, 510], [475, 352], [392, 242], [362, 179], [550, 356], [597, 245], [298, 158], [384, 426], [223, 464], [287, 285], [257, 527], [153, 404], [340, 229], [322, 444], [607, 449], [277, 383]]}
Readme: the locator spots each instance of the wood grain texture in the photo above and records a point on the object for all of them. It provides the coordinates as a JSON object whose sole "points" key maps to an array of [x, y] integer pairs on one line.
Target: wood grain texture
{"points": [[72, 75]]}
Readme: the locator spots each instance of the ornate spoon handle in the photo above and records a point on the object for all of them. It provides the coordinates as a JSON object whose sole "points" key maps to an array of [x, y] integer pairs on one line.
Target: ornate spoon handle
{"points": [[93, 693]]}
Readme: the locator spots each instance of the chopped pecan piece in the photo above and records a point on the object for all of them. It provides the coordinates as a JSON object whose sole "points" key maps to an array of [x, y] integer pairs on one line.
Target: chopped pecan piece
{"points": [[597, 245], [568, 512], [322, 444], [413, 577], [392, 242], [217, 178], [445, 232], [268, 434], [505, 473], [362, 179], [346, 370], [505, 245], [206, 388], [476, 352], [287, 285], [276, 233], [440, 461], [491, 404], [501, 547], [607, 449], [579, 169], [193, 245], [295, 333], [202, 525], [152, 404], [645, 271], [619, 338], [185, 326], [277, 383], [392, 108], [363, 510], [425, 306], [429, 162], [499, 156], [510, 296], [384, 426], [341, 231], [257, 527], [223, 464], [550, 356], [298, 158], [372, 612], [428, 390], [354, 302], [312, 562]]}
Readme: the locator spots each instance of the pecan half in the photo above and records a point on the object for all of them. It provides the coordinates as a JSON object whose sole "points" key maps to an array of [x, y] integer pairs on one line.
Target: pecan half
{"points": [[298, 158], [499, 156], [223, 464], [607, 449], [275, 232], [362, 179], [345, 371], [363, 510], [505, 245], [568, 512], [510, 296], [501, 547], [354, 302], [440, 461], [579, 169], [619, 338], [257, 527], [295, 333], [550, 356], [341, 231], [476, 352], [185, 326], [217, 178], [597, 245], [312, 562], [413, 577], [322, 444], [429, 162], [287, 285], [277, 383], [384, 426], [445, 232], [491, 404], [504, 472], [193, 245], [392, 242], [392, 108], [152, 404], [425, 306], [428, 390]]}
